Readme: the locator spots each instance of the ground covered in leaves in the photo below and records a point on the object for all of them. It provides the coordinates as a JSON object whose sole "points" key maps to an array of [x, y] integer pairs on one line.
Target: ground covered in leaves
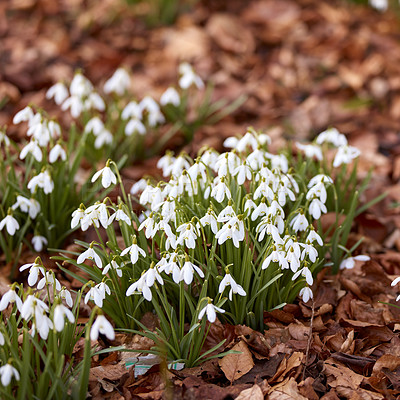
{"points": [[303, 65]]}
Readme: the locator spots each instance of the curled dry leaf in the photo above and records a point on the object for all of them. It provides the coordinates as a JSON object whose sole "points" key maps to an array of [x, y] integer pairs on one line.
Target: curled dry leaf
{"points": [[253, 393]]}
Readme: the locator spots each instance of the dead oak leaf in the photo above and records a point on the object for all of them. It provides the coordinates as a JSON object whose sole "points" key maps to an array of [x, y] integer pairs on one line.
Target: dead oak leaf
{"points": [[340, 376], [236, 365], [287, 390]]}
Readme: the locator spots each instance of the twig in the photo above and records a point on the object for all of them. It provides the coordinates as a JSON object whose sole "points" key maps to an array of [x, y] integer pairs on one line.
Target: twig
{"points": [[309, 338]]}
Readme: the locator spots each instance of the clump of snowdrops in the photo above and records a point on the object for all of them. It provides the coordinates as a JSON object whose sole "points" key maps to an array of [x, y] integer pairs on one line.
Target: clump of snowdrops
{"points": [[38, 183], [119, 125], [38, 332], [233, 234]]}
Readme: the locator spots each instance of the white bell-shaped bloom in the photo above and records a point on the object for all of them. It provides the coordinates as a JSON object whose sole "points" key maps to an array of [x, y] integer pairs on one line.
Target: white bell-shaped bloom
{"points": [[90, 254], [10, 223], [349, 262], [7, 372], [107, 176], [39, 242], [118, 83], [211, 311], [10, 297], [60, 312], [170, 96], [103, 326]]}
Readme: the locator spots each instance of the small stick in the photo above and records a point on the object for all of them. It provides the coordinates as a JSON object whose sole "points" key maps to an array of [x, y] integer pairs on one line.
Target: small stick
{"points": [[309, 338]]}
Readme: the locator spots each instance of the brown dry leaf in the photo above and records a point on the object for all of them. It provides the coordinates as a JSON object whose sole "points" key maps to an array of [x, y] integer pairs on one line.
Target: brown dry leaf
{"points": [[236, 365], [287, 365], [254, 393], [387, 361], [339, 375], [287, 390]]}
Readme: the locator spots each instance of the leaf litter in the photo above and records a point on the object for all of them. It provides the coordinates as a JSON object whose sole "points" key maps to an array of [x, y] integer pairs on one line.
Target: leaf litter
{"points": [[303, 65]]}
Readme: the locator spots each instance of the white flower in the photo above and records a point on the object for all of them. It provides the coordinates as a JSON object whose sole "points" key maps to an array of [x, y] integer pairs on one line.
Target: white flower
{"points": [[10, 297], [49, 279], [345, 155], [310, 150], [60, 312], [306, 273], [210, 219], [150, 225], [170, 96], [103, 326], [4, 138], [34, 307], [394, 283], [380, 5], [59, 91], [135, 125], [57, 152], [27, 205], [33, 148], [211, 312], [189, 77], [306, 293], [318, 190], [318, 179], [39, 242], [104, 137], [220, 190], [349, 262], [107, 176], [75, 104], [43, 180], [188, 234], [332, 135], [90, 254], [299, 222], [235, 288], [118, 83], [132, 110], [34, 269], [138, 186], [94, 125], [80, 86], [112, 264], [94, 101], [314, 236], [97, 294], [140, 286], [187, 271], [65, 294], [7, 372], [119, 215], [77, 217], [134, 251], [10, 223], [26, 114], [2, 340], [317, 207]]}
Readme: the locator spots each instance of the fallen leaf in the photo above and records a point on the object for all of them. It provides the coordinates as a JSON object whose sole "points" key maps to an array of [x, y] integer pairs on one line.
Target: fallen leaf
{"points": [[236, 365], [254, 393]]}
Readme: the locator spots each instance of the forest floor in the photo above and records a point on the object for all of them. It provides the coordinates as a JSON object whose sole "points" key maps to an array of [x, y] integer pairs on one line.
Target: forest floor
{"points": [[303, 65]]}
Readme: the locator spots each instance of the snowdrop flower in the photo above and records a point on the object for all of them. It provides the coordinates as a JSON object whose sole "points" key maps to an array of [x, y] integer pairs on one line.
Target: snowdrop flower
{"points": [[211, 312], [349, 262], [6, 373], [57, 152], [140, 286], [107, 176], [49, 279], [150, 225], [135, 125], [90, 254], [189, 77], [34, 269], [116, 267], [39, 242], [170, 96], [118, 83], [306, 273], [306, 293], [4, 138], [231, 142], [242, 172], [105, 137], [103, 326], [59, 92], [235, 288], [66, 295], [188, 234], [26, 114], [380, 5], [187, 271], [313, 236], [318, 179], [119, 215], [318, 190], [276, 257], [345, 155], [43, 180], [310, 150], [138, 186], [60, 312], [262, 209], [316, 207], [75, 104], [95, 101], [33, 148], [31, 206], [77, 217], [132, 110], [310, 250], [220, 190], [333, 136], [97, 294], [211, 220], [80, 86], [134, 250], [10, 223], [10, 297], [94, 125], [34, 307], [299, 222], [2, 340]]}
